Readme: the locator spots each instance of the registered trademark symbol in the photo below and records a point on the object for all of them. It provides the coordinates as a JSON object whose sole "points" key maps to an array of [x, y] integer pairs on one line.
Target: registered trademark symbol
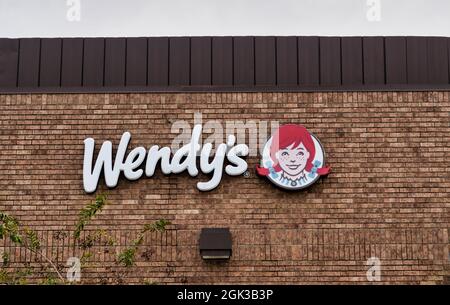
{"points": [[246, 174]]}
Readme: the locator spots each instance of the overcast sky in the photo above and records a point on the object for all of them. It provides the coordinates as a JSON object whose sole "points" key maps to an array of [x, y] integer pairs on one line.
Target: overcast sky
{"points": [[109, 18]]}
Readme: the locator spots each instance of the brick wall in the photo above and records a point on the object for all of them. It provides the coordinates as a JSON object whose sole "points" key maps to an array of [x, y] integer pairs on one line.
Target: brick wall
{"points": [[388, 195]]}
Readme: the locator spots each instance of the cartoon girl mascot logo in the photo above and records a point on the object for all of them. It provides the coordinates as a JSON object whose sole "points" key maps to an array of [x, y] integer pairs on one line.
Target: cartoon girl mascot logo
{"points": [[292, 158]]}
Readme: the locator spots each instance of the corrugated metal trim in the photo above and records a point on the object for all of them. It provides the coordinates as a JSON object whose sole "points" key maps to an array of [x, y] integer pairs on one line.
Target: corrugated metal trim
{"points": [[224, 64]]}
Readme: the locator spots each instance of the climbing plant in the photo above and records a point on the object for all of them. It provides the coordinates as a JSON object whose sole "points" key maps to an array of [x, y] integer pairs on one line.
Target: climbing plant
{"points": [[127, 256], [27, 238], [88, 212]]}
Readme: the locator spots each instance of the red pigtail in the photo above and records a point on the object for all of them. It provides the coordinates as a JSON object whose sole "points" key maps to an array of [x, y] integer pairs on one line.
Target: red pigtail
{"points": [[262, 171], [323, 171]]}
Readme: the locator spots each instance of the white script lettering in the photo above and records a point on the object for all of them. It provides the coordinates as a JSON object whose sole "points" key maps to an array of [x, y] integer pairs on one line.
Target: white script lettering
{"points": [[184, 158]]}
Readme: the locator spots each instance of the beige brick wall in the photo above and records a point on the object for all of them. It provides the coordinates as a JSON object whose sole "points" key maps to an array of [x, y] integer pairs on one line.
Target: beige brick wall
{"points": [[388, 195]]}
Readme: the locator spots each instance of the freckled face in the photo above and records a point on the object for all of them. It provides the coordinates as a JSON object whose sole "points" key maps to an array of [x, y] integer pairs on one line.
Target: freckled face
{"points": [[292, 160]]}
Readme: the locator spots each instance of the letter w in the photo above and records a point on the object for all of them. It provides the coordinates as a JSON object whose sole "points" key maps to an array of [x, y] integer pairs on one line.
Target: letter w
{"points": [[104, 160]]}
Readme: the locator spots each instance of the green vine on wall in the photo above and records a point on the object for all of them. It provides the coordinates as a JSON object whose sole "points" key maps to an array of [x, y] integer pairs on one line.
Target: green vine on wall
{"points": [[10, 227], [27, 238], [127, 256], [88, 212]]}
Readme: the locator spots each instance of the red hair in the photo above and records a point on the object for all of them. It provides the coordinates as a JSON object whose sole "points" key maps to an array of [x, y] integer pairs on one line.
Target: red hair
{"points": [[292, 135]]}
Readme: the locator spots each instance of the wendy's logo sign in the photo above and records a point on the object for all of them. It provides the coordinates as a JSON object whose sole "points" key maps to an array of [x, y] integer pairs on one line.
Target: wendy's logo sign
{"points": [[293, 158], [141, 161]]}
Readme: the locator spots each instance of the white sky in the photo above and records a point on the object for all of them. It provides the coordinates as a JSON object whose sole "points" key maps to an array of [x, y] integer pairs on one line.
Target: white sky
{"points": [[109, 18]]}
